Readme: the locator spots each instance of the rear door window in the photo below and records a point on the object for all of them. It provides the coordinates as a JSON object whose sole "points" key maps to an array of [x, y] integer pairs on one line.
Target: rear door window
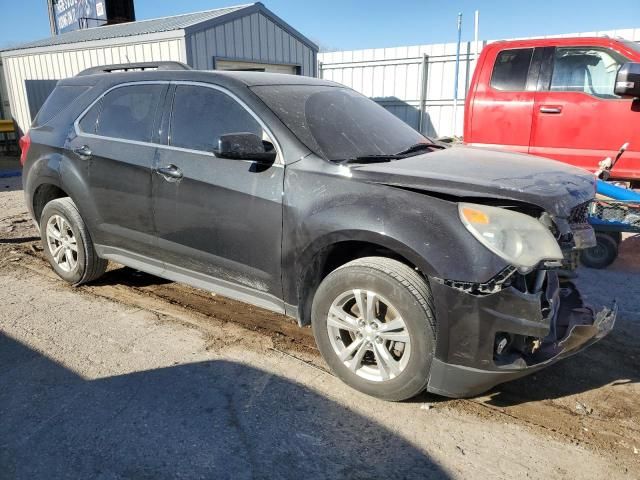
{"points": [[61, 98], [511, 70], [201, 115], [126, 113]]}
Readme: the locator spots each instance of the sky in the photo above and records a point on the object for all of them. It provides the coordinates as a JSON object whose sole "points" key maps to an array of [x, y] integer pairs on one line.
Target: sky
{"points": [[355, 24]]}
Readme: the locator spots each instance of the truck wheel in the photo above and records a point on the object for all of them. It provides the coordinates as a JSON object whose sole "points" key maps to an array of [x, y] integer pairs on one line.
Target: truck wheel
{"points": [[603, 254], [67, 243], [617, 236], [374, 324]]}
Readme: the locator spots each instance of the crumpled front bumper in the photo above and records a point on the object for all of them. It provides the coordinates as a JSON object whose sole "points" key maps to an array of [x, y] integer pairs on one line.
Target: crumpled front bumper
{"points": [[469, 367]]}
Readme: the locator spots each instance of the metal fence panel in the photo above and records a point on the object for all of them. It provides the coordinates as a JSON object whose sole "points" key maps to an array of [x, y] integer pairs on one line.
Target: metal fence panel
{"points": [[398, 79]]}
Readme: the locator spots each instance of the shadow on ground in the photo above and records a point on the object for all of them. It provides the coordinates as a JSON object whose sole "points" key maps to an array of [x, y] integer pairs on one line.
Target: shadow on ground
{"points": [[213, 419], [129, 277], [10, 184]]}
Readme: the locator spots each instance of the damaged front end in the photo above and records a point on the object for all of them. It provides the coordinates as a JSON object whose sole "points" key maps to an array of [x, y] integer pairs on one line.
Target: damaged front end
{"points": [[517, 322]]}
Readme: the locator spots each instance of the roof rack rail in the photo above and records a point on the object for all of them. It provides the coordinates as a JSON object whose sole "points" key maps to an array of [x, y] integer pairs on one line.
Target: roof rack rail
{"points": [[134, 67]]}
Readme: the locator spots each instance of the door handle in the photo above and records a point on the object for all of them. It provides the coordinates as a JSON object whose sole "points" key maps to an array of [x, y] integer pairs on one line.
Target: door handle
{"points": [[170, 172], [83, 152], [552, 110]]}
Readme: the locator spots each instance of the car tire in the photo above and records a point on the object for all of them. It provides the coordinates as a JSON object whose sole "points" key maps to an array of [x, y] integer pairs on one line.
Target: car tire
{"points": [[372, 360], [67, 244], [603, 254]]}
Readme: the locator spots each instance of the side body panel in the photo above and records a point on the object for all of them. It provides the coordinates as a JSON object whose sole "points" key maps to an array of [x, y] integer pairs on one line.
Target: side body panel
{"points": [[583, 129], [119, 179], [495, 117], [222, 219], [572, 127]]}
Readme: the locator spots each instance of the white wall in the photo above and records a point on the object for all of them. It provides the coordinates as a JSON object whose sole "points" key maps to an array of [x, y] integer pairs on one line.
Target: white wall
{"points": [[393, 77], [64, 61], [5, 110]]}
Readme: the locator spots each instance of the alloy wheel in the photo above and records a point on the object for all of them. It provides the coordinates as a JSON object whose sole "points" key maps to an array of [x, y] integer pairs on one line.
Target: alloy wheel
{"points": [[368, 335], [62, 243]]}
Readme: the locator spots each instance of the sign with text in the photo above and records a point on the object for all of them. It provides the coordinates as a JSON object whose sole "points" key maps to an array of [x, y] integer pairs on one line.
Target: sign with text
{"points": [[79, 14]]}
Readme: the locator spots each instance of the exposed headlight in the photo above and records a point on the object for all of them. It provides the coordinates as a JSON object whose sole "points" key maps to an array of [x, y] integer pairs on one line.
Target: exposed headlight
{"points": [[518, 238]]}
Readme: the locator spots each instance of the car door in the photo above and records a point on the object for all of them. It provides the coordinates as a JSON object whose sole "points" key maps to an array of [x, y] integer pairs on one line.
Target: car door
{"points": [[502, 106], [115, 137], [577, 117], [218, 220]]}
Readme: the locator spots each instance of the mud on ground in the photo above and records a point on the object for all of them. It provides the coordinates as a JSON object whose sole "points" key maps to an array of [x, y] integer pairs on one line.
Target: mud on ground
{"points": [[591, 400]]}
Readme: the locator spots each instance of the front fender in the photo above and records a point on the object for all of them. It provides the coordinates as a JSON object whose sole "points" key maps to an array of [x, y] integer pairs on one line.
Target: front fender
{"points": [[324, 207]]}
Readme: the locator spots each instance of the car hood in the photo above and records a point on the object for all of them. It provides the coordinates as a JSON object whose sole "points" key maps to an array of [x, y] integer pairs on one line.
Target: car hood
{"points": [[468, 172]]}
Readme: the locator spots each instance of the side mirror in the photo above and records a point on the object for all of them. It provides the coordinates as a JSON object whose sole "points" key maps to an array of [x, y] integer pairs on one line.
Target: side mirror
{"points": [[245, 146], [628, 80]]}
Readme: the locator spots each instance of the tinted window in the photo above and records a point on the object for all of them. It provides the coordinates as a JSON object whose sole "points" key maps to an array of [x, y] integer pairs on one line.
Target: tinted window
{"points": [[129, 112], [587, 70], [59, 100], [201, 115], [511, 70], [89, 122], [338, 123]]}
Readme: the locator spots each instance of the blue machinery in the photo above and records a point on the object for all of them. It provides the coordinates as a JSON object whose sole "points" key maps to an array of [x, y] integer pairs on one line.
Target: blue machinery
{"points": [[610, 217]]}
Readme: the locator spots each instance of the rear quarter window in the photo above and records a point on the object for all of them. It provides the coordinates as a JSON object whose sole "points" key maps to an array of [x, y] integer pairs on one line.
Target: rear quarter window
{"points": [[60, 99], [511, 70]]}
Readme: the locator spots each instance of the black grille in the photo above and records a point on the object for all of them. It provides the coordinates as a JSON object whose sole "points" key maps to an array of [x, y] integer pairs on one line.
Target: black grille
{"points": [[579, 214]]}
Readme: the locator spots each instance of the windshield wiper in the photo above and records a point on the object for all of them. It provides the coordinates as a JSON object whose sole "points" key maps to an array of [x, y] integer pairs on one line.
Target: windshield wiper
{"points": [[419, 147], [372, 159], [407, 152]]}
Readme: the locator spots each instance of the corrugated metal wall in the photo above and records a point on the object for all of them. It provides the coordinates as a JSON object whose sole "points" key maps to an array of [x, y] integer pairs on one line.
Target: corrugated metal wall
{"points": [[5, 111], [22, 66], [394, 78], [254, 38]]}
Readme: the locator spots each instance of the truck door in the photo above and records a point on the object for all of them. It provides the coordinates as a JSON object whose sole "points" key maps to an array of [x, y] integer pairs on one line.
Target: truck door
{"points": [[502, 107], [577, 117]]}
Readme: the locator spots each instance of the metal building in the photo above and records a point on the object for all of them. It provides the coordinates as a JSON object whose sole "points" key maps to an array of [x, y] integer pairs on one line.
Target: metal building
{"points": [[5, 111], [243, 37]]}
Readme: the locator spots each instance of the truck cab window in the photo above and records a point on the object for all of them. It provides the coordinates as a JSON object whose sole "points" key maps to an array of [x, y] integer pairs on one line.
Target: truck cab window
{"points": [[511, 70], [585, 69]]}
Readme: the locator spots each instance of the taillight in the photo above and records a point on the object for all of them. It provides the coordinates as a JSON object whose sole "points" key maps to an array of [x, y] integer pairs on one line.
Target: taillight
{"points": [[25, 143]]}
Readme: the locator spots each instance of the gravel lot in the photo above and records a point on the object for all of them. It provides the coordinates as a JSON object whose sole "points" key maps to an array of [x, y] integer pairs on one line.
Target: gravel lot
{"points": [[136, 377]]}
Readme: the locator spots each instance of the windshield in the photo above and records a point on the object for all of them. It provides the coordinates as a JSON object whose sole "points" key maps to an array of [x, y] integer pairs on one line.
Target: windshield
{"points": [[338, 123]]}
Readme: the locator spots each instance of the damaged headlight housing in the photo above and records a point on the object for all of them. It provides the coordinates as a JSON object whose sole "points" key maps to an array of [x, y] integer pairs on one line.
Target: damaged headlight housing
{"points": [[518, 238]]}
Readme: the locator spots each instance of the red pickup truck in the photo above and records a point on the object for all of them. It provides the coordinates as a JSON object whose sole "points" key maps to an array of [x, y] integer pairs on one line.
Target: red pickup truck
{"points": [[569, 99]]}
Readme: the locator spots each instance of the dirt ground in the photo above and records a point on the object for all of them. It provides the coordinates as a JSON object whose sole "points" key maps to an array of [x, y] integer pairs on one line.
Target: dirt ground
{"points": [[577, 419]]}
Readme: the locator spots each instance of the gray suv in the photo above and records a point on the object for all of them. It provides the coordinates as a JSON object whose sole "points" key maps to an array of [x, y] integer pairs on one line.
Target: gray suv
{"points": [[417, 266]]}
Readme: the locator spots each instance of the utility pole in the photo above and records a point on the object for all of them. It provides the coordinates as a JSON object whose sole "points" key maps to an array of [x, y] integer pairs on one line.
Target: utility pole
{"points": [[52, 17], [476, 30], [457, 75]]}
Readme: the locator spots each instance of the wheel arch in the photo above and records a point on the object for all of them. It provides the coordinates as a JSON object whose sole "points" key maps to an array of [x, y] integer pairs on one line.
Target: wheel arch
{"points": [[43, 194], [337, 249]]}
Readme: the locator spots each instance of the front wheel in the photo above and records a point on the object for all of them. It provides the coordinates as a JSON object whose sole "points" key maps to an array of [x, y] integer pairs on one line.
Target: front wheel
{"points": [[373, 321]]}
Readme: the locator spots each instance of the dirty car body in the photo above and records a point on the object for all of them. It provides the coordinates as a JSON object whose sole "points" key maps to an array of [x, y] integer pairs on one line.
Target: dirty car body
{"points": [[269, 233]]}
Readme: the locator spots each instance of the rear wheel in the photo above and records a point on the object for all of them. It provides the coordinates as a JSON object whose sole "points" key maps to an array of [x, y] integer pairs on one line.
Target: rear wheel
{"points": [[603, 254], [67, 244], [373, 321]]}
